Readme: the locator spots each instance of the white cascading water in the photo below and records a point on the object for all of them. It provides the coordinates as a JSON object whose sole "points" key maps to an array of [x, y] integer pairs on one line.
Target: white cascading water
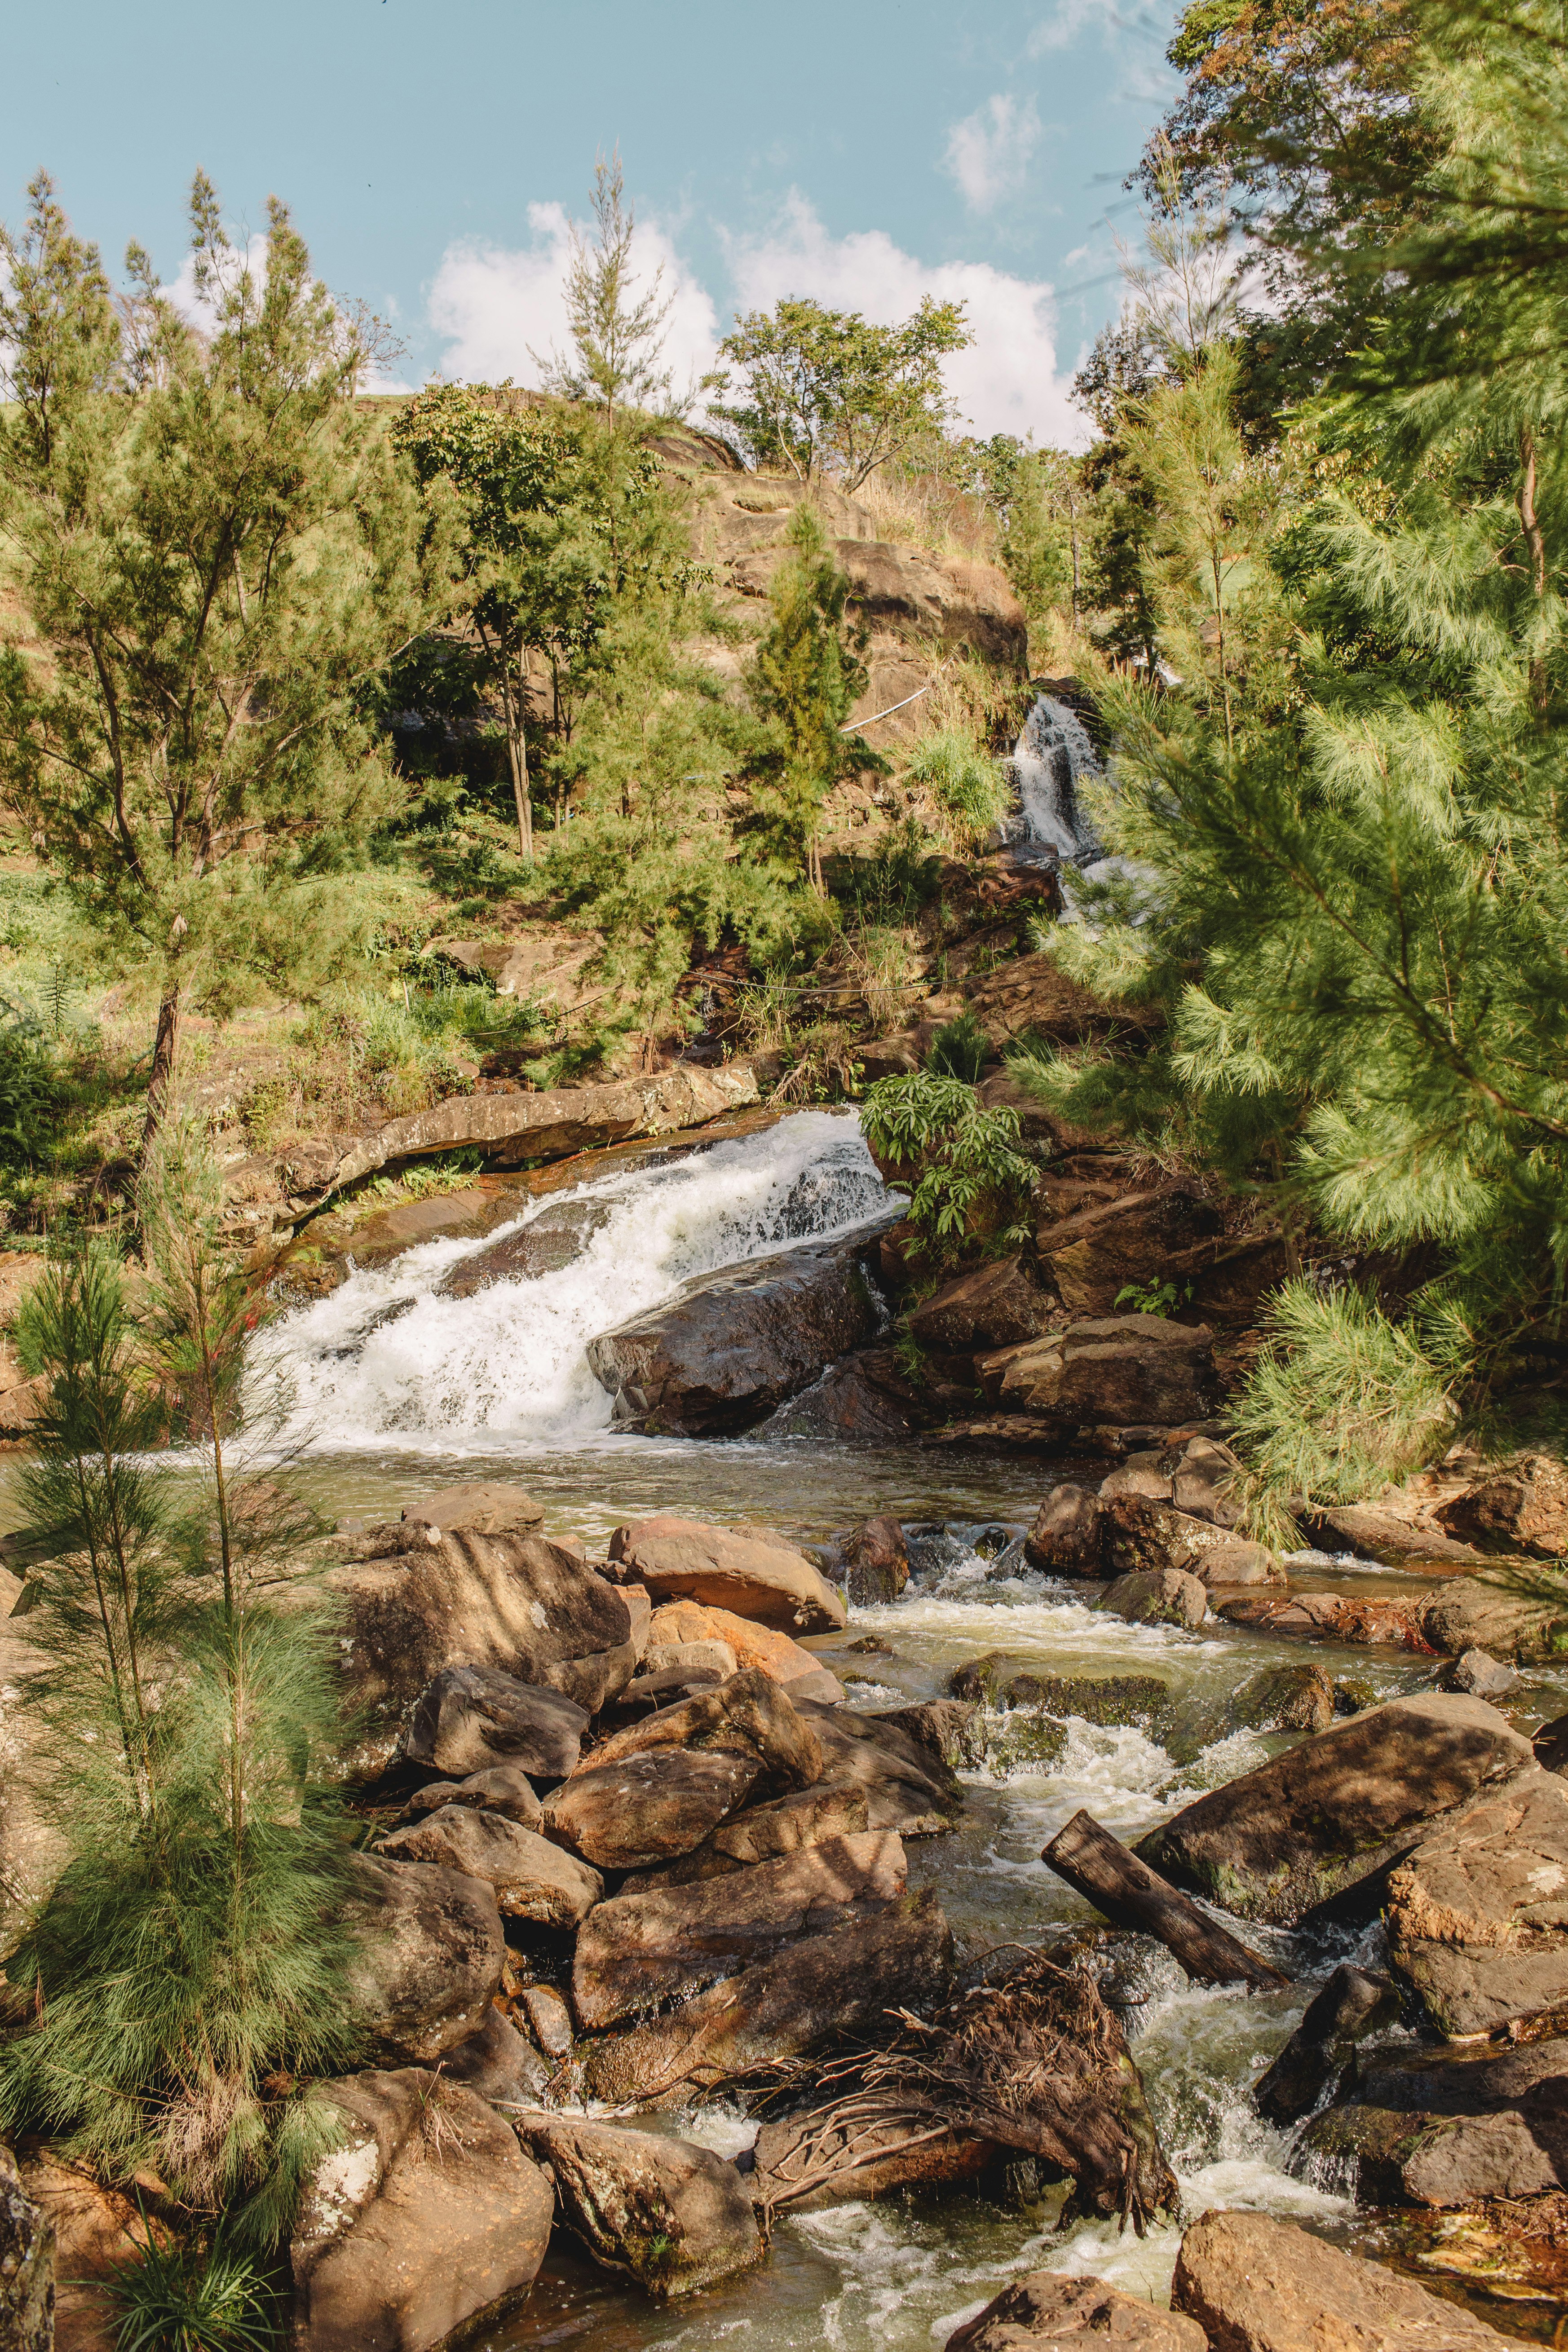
{"points": [[390, 1356], [1049, 757]]}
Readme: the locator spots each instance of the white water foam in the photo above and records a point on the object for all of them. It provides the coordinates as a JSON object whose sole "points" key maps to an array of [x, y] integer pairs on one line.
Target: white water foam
{"points": [[390, 1356]]}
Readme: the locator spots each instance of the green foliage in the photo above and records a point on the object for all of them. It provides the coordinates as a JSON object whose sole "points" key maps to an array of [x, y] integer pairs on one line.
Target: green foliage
{"points": [[28, 1093], [824, 394], [191, 2298], [1153, 1297], [968, 785], [960, 1049], [616, 340], [971, 1186]]}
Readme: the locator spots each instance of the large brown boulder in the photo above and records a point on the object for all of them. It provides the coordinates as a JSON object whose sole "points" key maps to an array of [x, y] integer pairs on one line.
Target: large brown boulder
{"points": [[648, 1807], [1478, 1913], [675, 2215], [1262, 2285], [1471, 1612], [748, 1715], [1439, 2127], [1065, 1537], [828, 1987], [730, 1347], [469, 1719], [640, 1950], [1142, 1531], [749, 1572], [908, 1787], [875, 1561], [1522, 1507], [1157, 1596], [425, 2216], [505, 1788], [430, 1955], [1324, 1820], [1049, 2312], [532, 1878], [1124, 1370], [780, 1656], [997, 1306]]}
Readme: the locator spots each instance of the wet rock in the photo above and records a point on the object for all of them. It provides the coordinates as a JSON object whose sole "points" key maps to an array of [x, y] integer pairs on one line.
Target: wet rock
{"points": [[1118, 1368], [548, 2020], [945, 1727], [641, 1950], [1478, 1913], [751, 1572], [1436, 2128], [469, 1719], [506, 1789], [997, 1306], [426, 2216], [1096, 1251], [429, 1962], [1472, 1612], [865, 1397], [498, 2065], [877, 1562], [747, 1716], [1025, 1739], [1163, 1596], [484, 1507], [556, 1237], [1325, 1617], [675, 2215], [1520, 1508], [730, 1347], [826, 1989], [1353, 1696], [1276, 1698], [1065, 1537], [979, 1679], [1325, 1819], [648, 1807], [1096, 1698], [907, 1786], [1140, 1531], [1481, 1675], [1048, 2310], [26, 2266], [531, 1877], [1353, 2004], [1260, 2285], [780, 1658]]}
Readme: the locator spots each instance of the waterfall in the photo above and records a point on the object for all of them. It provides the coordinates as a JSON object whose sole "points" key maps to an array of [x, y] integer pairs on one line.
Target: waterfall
{"points": [[396, 1354], [1050, 755]]}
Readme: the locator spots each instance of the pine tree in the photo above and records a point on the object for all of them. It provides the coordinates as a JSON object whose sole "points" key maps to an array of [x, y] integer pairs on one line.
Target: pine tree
{"points": [[616, 341], [806, 676]]}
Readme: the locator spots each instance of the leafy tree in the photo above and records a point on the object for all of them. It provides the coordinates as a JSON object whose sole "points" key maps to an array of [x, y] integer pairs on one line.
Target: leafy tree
{"points": [[806, 676], [214, 554], [824, 395], [616, 341]]}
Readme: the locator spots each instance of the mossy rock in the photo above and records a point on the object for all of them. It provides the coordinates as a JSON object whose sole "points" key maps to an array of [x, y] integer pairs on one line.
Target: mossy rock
{"points": [[1104, 1699], [1297, 1697], [979, 1678], [1026, 1742]]}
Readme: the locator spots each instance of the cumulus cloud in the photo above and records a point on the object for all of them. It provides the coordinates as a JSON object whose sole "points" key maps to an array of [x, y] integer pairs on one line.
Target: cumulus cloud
{"points": [[1007, 382], [495, 304], [988, 153]]}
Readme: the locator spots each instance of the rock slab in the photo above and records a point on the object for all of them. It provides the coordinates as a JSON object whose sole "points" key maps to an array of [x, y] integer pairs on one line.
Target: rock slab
{"points": [[1259, 2285], [751, 1571], [430, 1960], [1048, 2310]]}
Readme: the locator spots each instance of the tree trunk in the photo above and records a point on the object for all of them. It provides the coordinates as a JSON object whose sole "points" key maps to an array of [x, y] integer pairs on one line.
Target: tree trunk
{"points": [[160, 1086], [1132, 1895], [516, 755]]}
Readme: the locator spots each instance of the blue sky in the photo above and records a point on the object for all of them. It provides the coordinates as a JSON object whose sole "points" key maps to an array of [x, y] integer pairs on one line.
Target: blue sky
{"points": [[865, 153]]}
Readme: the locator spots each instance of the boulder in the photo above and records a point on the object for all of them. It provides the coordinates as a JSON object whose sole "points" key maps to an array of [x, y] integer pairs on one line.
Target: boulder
{"points": [[1140, 1531], [1276, 1698], [1424, 2127], [498, 2065], [780, 1658], [1471, 1612], [506, 1789], [1326, 1617], [866, 1397], [484, 1507], [28, 2249], [747, 1716], [551, 1239], [548, 2020], [1325, 1819], [532, 1878], [427, 2215], [683, 1660], [751, 1572], [1260, 2285], [675, 2215], [945, 1727], [1048, 2310], [1095, 1698], [1033, 996], [1522, 1507], [1477, 1913], [907, 1786], [648, 1807], [1202, 1471], [1551, 1744], [729, 1349], [1480, 1674], [1384, 1535], [468, 1718], [826, 1989], [638, 1950], [805, 1818], [1353, 2004], [1118, 1368], [430, 1955], [876, 1562], [1157, 1596], [997, 1306], [1065, 1537]]}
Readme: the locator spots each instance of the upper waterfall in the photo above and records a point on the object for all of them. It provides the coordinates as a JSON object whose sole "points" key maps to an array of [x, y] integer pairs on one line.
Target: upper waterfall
{"points": [[1049, 759]]}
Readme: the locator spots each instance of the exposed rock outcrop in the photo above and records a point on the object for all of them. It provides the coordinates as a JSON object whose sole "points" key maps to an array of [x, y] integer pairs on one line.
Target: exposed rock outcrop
{"points": [[1122, 1369], [26, 2266], [749, 1572], [1477, 1913], [648, 1807], [1260, 2285], [675, 2216], [1434, 2127]]}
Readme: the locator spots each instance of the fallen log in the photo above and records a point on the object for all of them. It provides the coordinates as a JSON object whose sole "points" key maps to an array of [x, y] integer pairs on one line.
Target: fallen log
{"points": [[1132, 1895]]}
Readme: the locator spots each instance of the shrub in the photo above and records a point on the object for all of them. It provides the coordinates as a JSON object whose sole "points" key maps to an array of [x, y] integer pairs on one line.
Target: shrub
{"points": [[191, 2299], [959, 1050], [971, 1184], [967, 784]]}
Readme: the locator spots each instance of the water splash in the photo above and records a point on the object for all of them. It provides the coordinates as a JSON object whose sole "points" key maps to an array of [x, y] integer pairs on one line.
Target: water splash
{"points": [[1050, 758]]}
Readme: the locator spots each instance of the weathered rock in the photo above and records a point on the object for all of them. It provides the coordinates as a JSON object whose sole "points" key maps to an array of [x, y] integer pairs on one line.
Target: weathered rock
{"points": [[908, 1788], [1384, 1535], [1471, 1612], [751, 1572], [675, 2215], [506, 1789], [94, 2232], [747, 1716], [1520, 1508], [1478, 1913], [684, 1659], [1140, 1531], [648, 1807], [1096, 1698], [730, 1347], [430, 1963], [426, 2216], [531, 1877], [555, 1237], [1353, 2004], [1048, 2310], [1033, 996], [1120, 1369], [640, 1950], [820, 1990], [548, 2020], [875, 1561], [781, 1658], [1065, 1537], [1324, 1820], [1161, 1596], [498, 2065], [1325, 1617], [1276, 1698], [1551, 1744], [484, 1507], [808, 1817], [945, 1727], [468, 1717], [1201, 1471], [997, 1306], [1424, 2127], [1480, 1674], [26, 2266], [980, 1679], [1260, 2285]]}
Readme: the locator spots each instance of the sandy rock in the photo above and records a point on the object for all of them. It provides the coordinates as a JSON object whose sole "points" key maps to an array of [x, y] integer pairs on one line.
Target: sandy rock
{"points": [[1478, 1913], [1329, 1816], [1383, 1534], [675, 2215], [469, 1719], [639, 1949], [685, 1658], [505, 1788], [1140, 1530], [1471, 1612], [531, 1877], [1326, 1617], [997, 1306], [1441, 2127], [648, 1807], [1065, 1537], [1482, 1676], [751, 1572], [747, 1716], [1201, 1470], [1353, 2004], [498, 2065], [31, 2242], [907, 1786], [780, 1659], [806, 1817], [876, 1562], [1260, 2285], [1520, 1508], [484, 1507], [1157, 1596], [814, 1993], [1120, 1369], [428, 2215], [945, 1727], [430, 1960], [1048, 2310]]}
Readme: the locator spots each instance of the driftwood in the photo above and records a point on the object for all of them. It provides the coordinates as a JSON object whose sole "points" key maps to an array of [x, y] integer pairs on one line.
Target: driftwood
{"points": [[1132, 1895]]}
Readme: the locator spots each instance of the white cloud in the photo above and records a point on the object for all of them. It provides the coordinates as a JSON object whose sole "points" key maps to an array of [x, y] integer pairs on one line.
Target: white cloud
{"points": [[1068, 18], [495, 304], [1007, 382], [988, 153]]}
